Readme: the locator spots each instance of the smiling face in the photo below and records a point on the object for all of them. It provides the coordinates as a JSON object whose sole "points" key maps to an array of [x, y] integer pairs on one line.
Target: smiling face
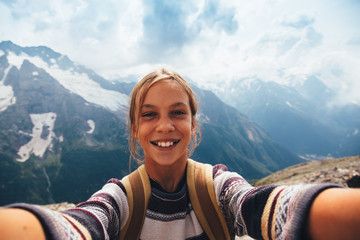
{"points": [[165, 125]]}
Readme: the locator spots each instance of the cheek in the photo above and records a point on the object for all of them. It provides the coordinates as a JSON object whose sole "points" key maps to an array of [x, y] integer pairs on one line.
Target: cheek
{"points": [[189, 128], [143, 131], [140, 133]]}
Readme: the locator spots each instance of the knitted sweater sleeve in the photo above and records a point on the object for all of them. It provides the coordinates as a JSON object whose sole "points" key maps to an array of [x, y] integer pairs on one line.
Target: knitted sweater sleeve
{"points": [[267, 212], [100, 217]]}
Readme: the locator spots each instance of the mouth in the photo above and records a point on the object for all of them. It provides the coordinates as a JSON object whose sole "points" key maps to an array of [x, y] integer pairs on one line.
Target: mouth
{"points": [[165, 144]]}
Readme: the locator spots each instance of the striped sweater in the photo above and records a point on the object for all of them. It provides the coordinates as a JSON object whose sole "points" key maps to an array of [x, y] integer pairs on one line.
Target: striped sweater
{"points": [[268, 212]]}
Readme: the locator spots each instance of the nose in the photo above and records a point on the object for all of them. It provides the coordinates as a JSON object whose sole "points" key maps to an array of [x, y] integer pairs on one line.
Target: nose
{"points": [[165, 125]]}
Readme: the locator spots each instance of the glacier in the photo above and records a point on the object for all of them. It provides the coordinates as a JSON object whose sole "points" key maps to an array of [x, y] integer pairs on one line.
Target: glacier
{"points": [[78, 83]]}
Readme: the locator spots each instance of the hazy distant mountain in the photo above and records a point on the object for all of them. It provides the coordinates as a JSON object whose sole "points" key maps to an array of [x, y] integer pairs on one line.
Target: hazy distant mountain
{"points": [[63, 131], [304, 118]]}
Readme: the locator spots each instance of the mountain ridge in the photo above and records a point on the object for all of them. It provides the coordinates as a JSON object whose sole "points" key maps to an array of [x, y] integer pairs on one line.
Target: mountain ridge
{"points": [[85, 131], [305, 118]]}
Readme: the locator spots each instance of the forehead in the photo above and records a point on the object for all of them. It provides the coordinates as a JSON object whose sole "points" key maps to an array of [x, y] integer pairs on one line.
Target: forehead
{"points": [[166, 90]]}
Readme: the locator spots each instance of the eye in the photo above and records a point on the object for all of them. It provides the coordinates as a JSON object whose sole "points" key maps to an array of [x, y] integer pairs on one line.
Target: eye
{"points": [[178, 113], [148, 114]]}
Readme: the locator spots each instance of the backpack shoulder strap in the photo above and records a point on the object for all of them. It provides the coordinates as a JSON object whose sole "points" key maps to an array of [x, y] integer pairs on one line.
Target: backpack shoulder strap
{"points": [[202, 196], [203, 199], [138, 190]]}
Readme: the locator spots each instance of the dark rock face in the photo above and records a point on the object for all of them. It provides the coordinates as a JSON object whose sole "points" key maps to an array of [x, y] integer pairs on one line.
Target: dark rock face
{"points": [[354, 182]]}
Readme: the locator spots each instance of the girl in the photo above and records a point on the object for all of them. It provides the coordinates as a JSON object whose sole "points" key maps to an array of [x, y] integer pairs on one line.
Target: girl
{"points": [[163, 121]]}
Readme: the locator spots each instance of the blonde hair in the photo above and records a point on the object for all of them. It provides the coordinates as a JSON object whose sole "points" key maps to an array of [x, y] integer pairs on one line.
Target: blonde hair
{"points": [[137, 98]]}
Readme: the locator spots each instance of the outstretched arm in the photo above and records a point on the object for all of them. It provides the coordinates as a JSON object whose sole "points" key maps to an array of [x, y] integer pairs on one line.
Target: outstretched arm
{"points": [[319, 211], [335, 214], [97, 218], [19, 224]]}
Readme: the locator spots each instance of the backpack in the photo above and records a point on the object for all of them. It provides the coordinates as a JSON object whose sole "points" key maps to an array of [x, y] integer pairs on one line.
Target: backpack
{"points": [[202, 196]]}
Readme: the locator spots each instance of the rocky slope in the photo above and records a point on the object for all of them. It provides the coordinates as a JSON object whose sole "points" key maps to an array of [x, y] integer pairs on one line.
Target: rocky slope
{"points": [[344, 171]]}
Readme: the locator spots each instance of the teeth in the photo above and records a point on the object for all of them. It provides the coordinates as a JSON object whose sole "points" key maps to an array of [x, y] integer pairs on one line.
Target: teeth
{"points": [[165, 144]]}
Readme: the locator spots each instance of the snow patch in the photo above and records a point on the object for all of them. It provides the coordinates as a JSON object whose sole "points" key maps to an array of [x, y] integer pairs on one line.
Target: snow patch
{"points": [[91, 124], [35, 73], [1, 53], [75, 82], [16, 60], [289, 104], [202, 118], [356, 132], [42, 136], [247, 83], [250, 135], [314, 157], [7, 97]]}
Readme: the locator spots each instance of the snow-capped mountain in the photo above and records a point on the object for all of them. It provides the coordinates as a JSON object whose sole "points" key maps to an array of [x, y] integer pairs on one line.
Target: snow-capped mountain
{"points": [[63, 130], [72, 77], [304, 118]]}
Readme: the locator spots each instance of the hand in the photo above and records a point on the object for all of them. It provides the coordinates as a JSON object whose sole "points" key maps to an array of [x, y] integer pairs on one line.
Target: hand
{"points": [[335, 214], [19, 224]]}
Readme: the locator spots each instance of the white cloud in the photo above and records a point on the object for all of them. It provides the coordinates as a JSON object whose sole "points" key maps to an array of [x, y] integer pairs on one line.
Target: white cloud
{"points": [[206, 40]]}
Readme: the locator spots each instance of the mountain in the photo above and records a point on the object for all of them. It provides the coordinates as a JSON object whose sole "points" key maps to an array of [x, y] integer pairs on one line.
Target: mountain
{"points": [[304, 118], [230, 137], [63, 130]]}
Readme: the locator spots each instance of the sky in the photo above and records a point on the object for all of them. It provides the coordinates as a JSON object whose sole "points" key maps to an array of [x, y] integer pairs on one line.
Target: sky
{"points": [[213, 43]]}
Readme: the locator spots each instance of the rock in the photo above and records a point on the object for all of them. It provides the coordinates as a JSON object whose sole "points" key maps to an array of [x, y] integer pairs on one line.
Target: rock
{"points": [[354, 182], [60, 206]]}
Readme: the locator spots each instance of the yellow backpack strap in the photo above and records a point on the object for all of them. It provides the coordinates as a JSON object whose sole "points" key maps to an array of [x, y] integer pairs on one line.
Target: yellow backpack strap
{"points": [[203, 199], [138, 190]]}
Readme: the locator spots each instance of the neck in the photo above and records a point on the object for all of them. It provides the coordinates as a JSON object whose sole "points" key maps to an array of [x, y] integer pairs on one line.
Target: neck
{"points": [[169, 176]]}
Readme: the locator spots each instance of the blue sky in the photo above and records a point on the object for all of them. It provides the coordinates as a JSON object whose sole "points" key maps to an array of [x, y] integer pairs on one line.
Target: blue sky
{"points": [[212, 42]]}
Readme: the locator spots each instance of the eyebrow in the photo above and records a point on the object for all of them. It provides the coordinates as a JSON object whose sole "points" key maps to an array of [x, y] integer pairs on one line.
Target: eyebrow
{"points": [[172, 105]]}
